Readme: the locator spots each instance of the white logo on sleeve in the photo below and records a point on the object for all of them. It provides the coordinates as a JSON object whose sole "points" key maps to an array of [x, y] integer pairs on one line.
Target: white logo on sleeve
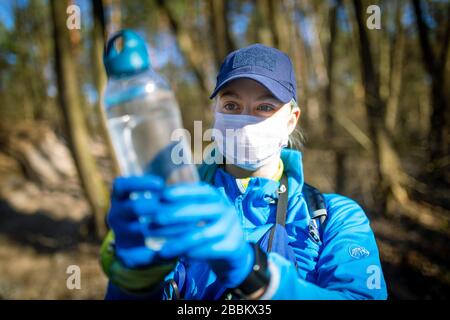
{"points": [[358, 252]]}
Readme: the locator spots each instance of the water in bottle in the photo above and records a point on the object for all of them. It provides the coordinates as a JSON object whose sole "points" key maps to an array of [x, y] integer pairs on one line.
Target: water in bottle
{"points": [[142, 114]]}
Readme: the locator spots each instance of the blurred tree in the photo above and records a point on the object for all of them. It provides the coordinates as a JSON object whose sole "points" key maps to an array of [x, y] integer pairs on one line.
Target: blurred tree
{"points": [[98, 44], [79, 40], [331, 53], [299, 56], [330, 112], [221, 38], [316, 29], [395, 71], [279, 24], [260, 24], [113, 16], [435, 61], [390, 176], [69, 97], [195, 59], [27, 56]]}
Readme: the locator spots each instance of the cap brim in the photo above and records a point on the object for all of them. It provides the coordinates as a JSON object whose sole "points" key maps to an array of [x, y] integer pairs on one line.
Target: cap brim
{"points": [[278, 91]]}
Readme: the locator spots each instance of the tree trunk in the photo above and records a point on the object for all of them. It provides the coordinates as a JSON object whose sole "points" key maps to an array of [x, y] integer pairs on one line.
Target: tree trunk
{"points": [[435, 65], [264, 34], [329, 90], [279, 23], [221, 37], [299, 56], [317, 55], [68, 95], [98, 44], [396, 72], [309, 101], [387, 163], [330, 132]]}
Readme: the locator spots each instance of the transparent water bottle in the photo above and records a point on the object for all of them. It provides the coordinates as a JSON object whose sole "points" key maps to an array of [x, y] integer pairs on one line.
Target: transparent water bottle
{"points": [[142, 114]]}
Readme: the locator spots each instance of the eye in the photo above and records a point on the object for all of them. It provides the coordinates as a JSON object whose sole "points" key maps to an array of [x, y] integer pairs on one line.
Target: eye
{"points": [[230, 106], [266, 108]]}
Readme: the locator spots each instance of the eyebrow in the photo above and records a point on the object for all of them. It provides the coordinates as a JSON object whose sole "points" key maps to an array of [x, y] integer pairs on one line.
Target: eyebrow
{"points": [[264, 96], [231, 94]]}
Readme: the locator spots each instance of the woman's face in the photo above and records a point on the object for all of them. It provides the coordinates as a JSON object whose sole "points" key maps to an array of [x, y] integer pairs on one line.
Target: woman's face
{"points": [[248, 97]]}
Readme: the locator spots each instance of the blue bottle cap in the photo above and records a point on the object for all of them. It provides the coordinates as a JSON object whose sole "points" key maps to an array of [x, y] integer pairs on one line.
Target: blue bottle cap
{"points": [[132, 58]]}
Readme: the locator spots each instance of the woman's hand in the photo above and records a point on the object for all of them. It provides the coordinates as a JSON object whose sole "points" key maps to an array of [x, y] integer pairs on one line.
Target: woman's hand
{"points": [[200, 223], [133, 200], [190, 220]]}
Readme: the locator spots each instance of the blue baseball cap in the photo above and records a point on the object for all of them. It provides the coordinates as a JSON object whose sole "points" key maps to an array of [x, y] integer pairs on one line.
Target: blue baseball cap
{"points": [[269, 66]]}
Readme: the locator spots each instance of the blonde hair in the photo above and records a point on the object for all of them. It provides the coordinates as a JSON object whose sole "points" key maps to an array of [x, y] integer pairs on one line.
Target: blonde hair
{"points": [[296, 138]]}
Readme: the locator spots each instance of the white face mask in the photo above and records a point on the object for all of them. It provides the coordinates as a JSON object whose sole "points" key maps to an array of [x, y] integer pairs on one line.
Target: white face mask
{"points": [[248, 141]]}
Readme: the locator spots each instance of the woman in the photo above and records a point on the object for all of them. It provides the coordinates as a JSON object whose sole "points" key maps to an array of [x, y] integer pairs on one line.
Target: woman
{"points": [[252, 228]]}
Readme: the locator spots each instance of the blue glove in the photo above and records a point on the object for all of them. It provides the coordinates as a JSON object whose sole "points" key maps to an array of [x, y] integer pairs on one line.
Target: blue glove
{"points": [[132, 200], [195, 221], [200, 223]]}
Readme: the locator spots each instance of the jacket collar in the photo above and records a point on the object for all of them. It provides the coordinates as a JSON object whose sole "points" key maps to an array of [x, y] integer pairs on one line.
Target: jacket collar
{"points": [[293, 167]]}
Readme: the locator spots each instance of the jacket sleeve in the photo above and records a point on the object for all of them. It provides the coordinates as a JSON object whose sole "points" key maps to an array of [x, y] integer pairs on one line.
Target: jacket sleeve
{"points": [[114, 292], [161, 292], [348, 266]]}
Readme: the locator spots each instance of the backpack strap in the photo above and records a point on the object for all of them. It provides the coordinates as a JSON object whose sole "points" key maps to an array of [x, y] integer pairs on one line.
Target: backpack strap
{"points": [[317, 209], [282, 201], [281, 208]]}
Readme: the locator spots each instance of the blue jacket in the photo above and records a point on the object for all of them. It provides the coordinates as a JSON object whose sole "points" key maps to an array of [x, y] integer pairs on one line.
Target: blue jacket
{"points": [[345, 264]]}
